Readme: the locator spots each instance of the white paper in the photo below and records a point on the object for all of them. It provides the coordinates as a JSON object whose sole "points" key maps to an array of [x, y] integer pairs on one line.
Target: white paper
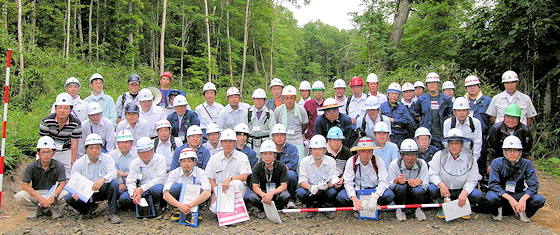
{"points": [[143, 202], [80, 185], [191, 192], [453, 211], [366, 213], [225, 201], [271, 212]]}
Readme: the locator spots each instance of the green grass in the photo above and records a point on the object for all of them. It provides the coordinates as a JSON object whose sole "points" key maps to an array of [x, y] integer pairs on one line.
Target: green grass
{"points": [[550, 166]]}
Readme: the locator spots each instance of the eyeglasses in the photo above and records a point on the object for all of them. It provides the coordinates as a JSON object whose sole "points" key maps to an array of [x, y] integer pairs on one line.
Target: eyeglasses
{"points": [[513, 150], [46, 152]]}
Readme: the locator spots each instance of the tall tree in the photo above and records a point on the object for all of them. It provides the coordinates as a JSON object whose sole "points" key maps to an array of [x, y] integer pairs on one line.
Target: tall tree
{"points": [[162, 38]]}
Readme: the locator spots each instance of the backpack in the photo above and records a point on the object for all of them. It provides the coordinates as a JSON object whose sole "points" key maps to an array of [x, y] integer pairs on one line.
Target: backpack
{"points": [[454, 123], [373, 161], [418, 162], [250, 115], [364, 121], [350, 99], [171, 140]]}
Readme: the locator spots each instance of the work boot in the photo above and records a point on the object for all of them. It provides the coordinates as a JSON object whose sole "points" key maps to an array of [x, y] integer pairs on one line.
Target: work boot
{"points": [[56, 213], [34, 212], [441, 214], [291, 205], [261, 215], [176, 214], [523, 217], [166, 214], [400, 215], [499, 216], [115, 219], [330, 214], [420, 216], [309, 214]]}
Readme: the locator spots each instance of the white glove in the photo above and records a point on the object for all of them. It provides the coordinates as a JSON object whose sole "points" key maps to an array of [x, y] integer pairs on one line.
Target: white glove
{"points": [[372, 204], [313, 189], [322, 185]]}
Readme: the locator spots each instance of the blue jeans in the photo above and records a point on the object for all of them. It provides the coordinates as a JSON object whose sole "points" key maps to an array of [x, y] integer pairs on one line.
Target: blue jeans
{"points": [[474, 197], [322, 197], [280, 200], [343, 199], [107, 191], [292, 183], [405, 194], [494, 201], [157, 195]]}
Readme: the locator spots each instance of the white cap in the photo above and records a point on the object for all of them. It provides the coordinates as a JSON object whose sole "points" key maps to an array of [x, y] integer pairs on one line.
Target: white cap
{"points": [[46, 142], [163, 123], [472, 80], [419, 84], [241, 127], [432, 77], [461, 103], [317, 141], [228, 134], [372, 103], [276, 82], [259, 94], [71, 80], [194, 130], [144, 144], [509, 76], [213, 128], [318, 85], [448, 85], [407, 86], [93, 108], [278, 129], [96, 76], [268, 146], [188, 153], [93, 139], [232, 91], [289, 90], [64, 99], [180, 100], [381, 127], [372, 77], [209, 86], [124, 135], [305, 85], [512, 142], [339, 83], [145, 94]]}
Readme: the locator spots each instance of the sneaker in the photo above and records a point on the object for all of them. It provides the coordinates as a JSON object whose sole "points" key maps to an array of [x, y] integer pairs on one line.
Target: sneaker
{"points": [[166, 214], [420, 216], [330, 214], [115, 219], [309, 214], [356, 215], [261, 215], [466, 217], [291, 205], [176, 214], [441, 214], [400, 215], [55, 212], [523, 217], [33, 214], [499, 216]]}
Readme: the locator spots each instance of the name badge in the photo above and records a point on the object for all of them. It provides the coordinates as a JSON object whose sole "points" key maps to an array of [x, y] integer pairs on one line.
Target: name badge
{"points": [[320, 112], [256, 128], [434, 104], [136, 175], [59, 145], [182, 135], [510, 186], [270, 187], [290, 131]]}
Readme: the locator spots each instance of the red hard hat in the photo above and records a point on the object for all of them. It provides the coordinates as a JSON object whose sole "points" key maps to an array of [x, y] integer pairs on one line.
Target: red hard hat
{"points": [[166, 73], [356, 81]]}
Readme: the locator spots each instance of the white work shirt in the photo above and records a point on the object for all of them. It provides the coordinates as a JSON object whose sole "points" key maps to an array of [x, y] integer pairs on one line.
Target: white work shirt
{"points": [[208, 113], [107, 105], [416, 172], [149, 174], [310, 173], [220, 168], [476, 136], [407, 104], [142, 129], [228, 118], [154, 115], [103, 128], [197, 177], [355, 108], [122, 162], [103, 168], [500, 102], [302, 101], [165, 150], [365, 176], [79, 109], [371, 124], [342, 108], [211, 148], [380, 96], [463, 177]]}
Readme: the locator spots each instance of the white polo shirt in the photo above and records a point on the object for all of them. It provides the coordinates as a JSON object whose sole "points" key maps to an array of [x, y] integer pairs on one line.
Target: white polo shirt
{"points": [[228, 118], [501, 101]]}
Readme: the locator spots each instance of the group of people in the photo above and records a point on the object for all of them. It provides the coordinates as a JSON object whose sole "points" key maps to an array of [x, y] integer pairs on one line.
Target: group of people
{"points": [[407, 146]]}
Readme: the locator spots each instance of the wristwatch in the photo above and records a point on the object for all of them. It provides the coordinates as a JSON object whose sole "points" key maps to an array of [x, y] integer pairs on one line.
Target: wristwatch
{"points": [[55, 195]]}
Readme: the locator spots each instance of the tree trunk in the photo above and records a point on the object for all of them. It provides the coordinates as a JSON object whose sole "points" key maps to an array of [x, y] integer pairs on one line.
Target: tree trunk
{"points": [[97, 32], [130, 33], [245, 38], [33, 22], [401, 16], [67, 30], [255, 61], [90, 29], [228, 37], [208, 41], [162, 38], [20, 45]]}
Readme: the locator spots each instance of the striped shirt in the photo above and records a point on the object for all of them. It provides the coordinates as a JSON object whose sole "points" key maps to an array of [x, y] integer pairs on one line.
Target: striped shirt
{"points": [[71, 130]]}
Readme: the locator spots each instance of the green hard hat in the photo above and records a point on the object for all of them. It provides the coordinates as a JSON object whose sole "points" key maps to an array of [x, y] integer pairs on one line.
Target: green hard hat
{"points": [[513, 110]]}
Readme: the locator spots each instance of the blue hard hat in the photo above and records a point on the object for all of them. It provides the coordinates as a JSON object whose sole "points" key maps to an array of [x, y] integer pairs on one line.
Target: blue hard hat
{"points": [[335, 133]]}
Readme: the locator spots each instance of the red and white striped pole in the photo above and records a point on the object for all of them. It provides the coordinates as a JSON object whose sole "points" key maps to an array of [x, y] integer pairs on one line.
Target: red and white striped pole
{"points": [[352, 208], [5, 121]]}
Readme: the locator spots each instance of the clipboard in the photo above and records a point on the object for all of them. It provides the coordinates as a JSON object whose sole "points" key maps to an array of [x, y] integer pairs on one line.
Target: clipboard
{"points": [[79, 184], [188, 194], [363, 195]]}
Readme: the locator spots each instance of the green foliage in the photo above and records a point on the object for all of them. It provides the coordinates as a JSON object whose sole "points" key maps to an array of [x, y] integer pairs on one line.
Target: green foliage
{"points": [[549, 166]]}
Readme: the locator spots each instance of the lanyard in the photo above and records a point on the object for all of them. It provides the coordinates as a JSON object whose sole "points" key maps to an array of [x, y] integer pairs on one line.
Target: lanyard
{"points": [[208, 112], [268, 175]]}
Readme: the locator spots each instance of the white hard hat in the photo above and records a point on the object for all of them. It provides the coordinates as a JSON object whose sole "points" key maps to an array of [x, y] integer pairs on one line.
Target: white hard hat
{"points": [[289, 90], [448, 85], [232, 91], [93, 108], [372, 103], [512, 142], [276, 82], [372, 77], [432, 77], [124, 135], [194, 130], [339, 83], [381, 127], [305, 85], [213, 128], [455, 134], [96, 76], [471, 80], [71, 80], [180, 100], [188, 153], [163, 123], [329, 103], [259, 94], [394, 87], [144, 144], [241, 127], [318, 85], [145, 94], [363, 143], [461, 103], [422, 131], [407, 86], [46, 142], [268, 146], [278, 129], [419, 84], [317, 141], [409, 146], [509, 76], [228, 134], [209, 86], [93, 139], [64, 99]]}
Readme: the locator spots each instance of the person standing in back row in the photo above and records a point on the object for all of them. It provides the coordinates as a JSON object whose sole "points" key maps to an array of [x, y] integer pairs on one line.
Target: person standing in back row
{"points": [[208, 111], [510, 96], [96, 82], [276, 87]]}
